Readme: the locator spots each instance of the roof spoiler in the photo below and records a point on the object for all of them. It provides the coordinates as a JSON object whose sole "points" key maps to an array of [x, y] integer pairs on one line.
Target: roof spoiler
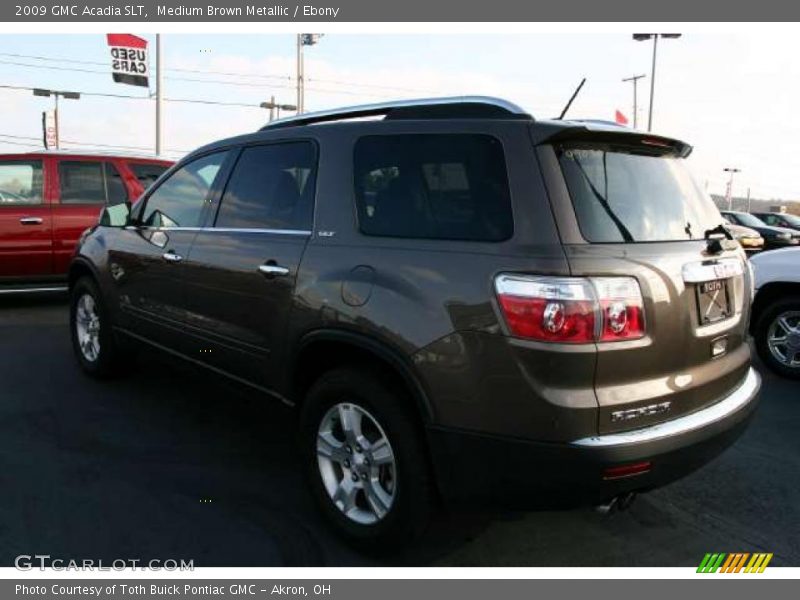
{"points": [[609, 133]]}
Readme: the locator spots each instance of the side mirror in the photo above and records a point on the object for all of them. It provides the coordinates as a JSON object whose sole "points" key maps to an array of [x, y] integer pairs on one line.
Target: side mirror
{"points": [[118, 215]]}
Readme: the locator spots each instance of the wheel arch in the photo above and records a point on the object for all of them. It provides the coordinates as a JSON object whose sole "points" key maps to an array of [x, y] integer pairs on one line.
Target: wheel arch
{"points": [[767, 294], [78, 268], [324, 349]]}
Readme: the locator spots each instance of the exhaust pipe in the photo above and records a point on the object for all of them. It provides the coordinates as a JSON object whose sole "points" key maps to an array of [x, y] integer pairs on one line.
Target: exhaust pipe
{"points": [[621, 502]]}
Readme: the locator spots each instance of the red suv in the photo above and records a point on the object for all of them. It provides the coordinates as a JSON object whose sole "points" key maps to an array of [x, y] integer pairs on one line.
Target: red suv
{"points": [[48, 199]]}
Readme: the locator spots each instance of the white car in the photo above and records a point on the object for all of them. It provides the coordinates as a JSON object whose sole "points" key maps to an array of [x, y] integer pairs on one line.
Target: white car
{"points": [[775, 320]]}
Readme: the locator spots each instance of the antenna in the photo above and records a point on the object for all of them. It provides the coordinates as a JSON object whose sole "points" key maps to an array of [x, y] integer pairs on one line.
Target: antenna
{"points": [[572, 98]]}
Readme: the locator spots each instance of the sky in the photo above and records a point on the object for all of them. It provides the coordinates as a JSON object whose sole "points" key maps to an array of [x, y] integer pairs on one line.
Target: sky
{"points": [[732, 96]]}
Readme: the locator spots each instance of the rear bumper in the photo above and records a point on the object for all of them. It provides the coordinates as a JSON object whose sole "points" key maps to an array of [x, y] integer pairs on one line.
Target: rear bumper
{"points": [[525, 474]]}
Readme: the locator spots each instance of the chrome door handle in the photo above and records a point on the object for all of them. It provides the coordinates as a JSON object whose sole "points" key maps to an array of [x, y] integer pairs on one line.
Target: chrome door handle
{"points": [[172, 257], [31, 220], [273, 270]]}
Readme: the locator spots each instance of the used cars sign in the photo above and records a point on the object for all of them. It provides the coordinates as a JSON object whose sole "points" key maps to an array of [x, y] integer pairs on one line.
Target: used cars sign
{"points": [[128, 58]]}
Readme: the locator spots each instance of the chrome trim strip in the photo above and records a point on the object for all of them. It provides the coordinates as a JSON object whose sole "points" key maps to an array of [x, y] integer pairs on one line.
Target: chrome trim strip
{"points": [[724, 268], [223, 230], [691, 422], [351, 112], [62, 288]]}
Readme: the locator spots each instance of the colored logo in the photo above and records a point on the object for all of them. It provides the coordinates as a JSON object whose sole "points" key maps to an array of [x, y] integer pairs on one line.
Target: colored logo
{"points": [[736, 562]]}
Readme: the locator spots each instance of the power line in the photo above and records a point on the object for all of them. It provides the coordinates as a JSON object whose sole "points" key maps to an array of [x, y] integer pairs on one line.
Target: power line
{"points": [[92, 144], [286, 78], [131, 97]]}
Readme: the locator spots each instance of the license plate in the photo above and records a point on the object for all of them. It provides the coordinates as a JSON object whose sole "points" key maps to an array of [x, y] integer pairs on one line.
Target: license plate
{"points": [[713, 303]]}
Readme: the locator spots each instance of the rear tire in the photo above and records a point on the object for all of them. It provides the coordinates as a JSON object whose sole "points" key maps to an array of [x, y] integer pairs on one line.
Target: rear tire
{"points": [[777, 336], [374, 486], [91, 331]]}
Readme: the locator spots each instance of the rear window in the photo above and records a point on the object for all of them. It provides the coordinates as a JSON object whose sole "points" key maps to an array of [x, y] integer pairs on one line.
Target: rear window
{"points": [[624, 195], [433, 186], [146, 173], [20, 182]]}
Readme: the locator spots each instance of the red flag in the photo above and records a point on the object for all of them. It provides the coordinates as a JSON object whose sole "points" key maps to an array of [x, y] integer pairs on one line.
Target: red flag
{"points": [[620, 118]]}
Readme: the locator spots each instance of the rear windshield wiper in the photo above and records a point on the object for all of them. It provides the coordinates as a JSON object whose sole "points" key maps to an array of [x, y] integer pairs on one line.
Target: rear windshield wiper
{"points": [[626, 234]]}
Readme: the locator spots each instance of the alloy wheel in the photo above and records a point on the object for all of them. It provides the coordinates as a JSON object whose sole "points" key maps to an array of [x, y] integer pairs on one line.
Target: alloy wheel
{"points": [[87, 327], [356, 463], [783, 338]]}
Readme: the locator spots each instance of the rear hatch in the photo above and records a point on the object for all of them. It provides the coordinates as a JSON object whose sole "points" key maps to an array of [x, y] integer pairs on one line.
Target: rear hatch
{"points": [[633, 210]]}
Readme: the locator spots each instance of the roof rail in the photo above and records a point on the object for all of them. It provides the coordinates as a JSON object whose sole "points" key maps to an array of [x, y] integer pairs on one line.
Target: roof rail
{"points": [[455, 107]]}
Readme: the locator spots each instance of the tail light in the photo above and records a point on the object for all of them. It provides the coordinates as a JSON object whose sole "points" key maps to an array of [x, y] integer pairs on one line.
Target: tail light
{"points": [[571, 309]]}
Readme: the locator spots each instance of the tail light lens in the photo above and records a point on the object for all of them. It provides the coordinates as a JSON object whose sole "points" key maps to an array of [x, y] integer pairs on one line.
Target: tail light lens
{"points": [[571, 309], [621, 306]]}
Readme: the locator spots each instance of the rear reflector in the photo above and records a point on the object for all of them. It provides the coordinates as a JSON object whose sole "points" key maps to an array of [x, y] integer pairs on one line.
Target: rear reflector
{"points": [[573, 310], [623, 471]]}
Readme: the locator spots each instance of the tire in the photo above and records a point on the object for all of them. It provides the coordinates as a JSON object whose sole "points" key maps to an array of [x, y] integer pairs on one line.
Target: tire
{"points": [[768, 326], [97, 354], [401, 488]]}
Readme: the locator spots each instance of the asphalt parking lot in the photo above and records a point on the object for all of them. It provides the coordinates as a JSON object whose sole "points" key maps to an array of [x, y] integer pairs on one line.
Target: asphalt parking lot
{"points": [[171, 462]]}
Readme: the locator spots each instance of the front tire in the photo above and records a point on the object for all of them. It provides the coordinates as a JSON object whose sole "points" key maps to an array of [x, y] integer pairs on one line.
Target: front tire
{"points": [[777, 336], [365, 459], [91, 331]]}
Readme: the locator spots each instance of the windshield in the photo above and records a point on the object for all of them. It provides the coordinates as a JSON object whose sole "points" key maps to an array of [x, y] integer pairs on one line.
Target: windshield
{"points": [[624, 195], [749, 220], [793, 220]]}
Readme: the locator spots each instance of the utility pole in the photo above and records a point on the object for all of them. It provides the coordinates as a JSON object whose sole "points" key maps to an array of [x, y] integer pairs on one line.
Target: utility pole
{"points": [[303, 39], [731, 170], [640, 37], [748, 199], [634, 79], [159, 96], [56, 94]]}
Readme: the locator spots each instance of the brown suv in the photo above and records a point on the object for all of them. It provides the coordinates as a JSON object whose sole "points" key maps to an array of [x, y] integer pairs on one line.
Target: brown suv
{"points": [[462, 301]]}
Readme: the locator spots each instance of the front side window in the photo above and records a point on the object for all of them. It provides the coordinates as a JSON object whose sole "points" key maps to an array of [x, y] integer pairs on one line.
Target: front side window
{"points": [[20, 182], [433, 186], [90, 182], [271, 187], [632, 195], [179, 201]]}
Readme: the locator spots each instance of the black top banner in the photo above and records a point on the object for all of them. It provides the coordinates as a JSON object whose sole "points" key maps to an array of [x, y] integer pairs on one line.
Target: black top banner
{"points": [[400, 11]]}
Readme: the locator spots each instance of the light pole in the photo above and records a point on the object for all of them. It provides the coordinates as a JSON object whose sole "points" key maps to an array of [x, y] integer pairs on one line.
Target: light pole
{"points": [[303, 39], [640, 37], [272, 106], [56, 94], [634, 79], [159, 97], [730, 170]]}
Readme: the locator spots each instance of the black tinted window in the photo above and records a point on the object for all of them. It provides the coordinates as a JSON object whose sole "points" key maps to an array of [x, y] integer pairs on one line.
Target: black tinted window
{"points": [[115, 188], [20, 182], [441, 186], [179, 200], [271, 187], [81, 182], [146, 173], [623, 195]]}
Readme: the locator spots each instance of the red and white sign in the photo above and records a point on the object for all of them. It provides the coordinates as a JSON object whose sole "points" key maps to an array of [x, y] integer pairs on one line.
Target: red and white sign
{"points": [[128, 58], [49, 129], [620, 118]]}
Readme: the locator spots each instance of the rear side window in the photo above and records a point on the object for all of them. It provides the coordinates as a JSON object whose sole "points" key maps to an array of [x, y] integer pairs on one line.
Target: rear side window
{"points": [[89, 182], [20, 182], [437, 186], [625, 195], [180, 199], [146, 173], [271, 187]]}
